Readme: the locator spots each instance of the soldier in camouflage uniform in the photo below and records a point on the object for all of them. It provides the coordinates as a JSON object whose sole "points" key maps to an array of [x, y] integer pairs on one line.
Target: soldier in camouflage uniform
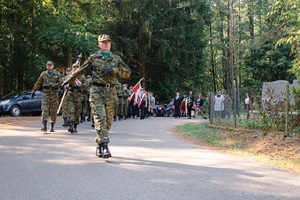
{"points": [[106, 67], [65, 110], [50, 81], [120, 104], [126, 95], [74, 97], [116, 104], [88, 107]]}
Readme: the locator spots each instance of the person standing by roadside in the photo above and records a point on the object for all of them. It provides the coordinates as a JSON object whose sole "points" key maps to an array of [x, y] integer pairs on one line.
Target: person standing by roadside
{"points": [[106, 67], [177, 104], [50, 81], [199, 105], [190, 101]]}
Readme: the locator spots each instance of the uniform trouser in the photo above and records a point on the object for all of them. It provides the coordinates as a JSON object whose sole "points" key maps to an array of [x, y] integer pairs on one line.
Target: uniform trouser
{"points": [[74, 106], [65, 109], [49, 104], [102, 101]]}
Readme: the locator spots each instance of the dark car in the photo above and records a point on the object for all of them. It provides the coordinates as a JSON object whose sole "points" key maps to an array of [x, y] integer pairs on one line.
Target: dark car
{"points": [[17, 104]]}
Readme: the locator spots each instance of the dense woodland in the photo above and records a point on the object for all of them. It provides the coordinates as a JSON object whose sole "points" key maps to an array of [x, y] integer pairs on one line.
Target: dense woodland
{"points": [[175, 45]]}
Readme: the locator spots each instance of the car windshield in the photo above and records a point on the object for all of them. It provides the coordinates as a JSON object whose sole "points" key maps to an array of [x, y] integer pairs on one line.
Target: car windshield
{"points": [[9, 96]]}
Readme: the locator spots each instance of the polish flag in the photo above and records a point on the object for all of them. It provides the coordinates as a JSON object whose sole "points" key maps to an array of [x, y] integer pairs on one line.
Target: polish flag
{"points": [[142, 100], [135, 92]]}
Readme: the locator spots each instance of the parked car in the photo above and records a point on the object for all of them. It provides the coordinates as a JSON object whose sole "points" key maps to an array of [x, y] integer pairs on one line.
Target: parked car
{"points": [[17, 104], [168, 110]]}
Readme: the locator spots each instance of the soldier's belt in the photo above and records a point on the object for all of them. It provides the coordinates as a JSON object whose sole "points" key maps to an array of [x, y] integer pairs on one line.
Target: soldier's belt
{"points": [[106, 85]]}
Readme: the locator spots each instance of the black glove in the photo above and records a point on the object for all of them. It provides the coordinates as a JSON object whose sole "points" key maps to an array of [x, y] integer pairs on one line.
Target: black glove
{"points": [[107, 70], [65, 83], [74, 85], [32, 95], [47, 86]]}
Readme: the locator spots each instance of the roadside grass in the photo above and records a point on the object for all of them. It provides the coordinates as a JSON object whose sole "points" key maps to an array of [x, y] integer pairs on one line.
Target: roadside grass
{"points": [[248, 143]]}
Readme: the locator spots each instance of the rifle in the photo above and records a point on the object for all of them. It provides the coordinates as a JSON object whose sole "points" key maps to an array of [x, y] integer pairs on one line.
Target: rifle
{"points": [[62, 99]]}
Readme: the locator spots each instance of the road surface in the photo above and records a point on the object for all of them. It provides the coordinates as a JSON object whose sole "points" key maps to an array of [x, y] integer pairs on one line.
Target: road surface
{"points": [[149, 162]]}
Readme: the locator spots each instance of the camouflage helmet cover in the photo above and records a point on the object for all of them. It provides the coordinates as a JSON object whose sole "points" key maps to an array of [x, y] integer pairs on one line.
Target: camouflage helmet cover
{"points": [[103, 37]]}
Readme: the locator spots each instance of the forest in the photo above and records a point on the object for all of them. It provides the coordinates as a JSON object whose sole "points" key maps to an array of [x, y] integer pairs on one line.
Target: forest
{"points": [[175, 45]]}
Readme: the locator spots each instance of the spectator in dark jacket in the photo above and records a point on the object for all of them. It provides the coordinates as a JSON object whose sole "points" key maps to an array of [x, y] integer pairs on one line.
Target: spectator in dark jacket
{"points": [[177, 103]]}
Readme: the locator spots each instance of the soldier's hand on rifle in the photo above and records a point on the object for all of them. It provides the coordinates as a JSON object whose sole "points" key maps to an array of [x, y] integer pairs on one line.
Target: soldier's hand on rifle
{"points": [[32, 94], [107, 70], [47, 86], [66, 82], [74, 85]]}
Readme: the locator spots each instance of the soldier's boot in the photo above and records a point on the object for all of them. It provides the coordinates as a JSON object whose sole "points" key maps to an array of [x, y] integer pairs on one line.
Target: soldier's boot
{"points": [[93, 123], [65, 122], [71, 128], [82, 118], [106, 152], [88, 118], [120, 117], [44, 129], [52, 127], [99, 151], [75, 127]]}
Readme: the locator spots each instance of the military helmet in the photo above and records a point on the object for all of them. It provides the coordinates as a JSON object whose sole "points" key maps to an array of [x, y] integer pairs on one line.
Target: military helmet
{"points": [[68, 69], [103, 37], [125, 85], [49, 63]]}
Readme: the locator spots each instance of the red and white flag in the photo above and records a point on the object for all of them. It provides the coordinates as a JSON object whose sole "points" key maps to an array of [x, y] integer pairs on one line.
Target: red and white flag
{"points": [[142, 100], [135, 92]]}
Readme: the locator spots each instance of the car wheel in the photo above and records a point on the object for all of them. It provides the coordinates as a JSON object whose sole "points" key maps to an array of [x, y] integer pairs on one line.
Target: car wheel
{"points": [[15, 111]]}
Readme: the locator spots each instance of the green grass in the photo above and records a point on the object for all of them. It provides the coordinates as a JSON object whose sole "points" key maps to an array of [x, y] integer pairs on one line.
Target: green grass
{"points": [[225, 139]]}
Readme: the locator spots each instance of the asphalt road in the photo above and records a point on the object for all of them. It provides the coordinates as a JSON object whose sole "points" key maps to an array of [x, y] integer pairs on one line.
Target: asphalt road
{"points": [[148, 162]]}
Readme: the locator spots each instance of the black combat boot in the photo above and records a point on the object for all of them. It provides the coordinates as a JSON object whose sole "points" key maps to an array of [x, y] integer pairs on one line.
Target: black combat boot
{"points": [[52, 127], [82, 118], [65, 122], [93, 124], [71, 128], [88, 118], [106, 152], [75, 127], [99, 151], [44, 129]]}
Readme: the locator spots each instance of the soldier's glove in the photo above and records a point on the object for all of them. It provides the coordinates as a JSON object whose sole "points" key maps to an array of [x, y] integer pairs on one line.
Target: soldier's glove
{"points": [[32, 95], [108, 70], [74, 85], [47, 86], [65, 83]]}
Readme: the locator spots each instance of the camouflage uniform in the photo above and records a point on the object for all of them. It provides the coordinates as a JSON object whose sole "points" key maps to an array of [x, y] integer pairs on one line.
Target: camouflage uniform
{"points": [[50, 82], [126, 95], [105, 67], [65, 110], [116, 103], [121, 102], [74, 97]]}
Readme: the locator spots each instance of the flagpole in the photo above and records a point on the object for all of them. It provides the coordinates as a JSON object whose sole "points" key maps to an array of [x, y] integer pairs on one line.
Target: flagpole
{"points": [[138, 82]]}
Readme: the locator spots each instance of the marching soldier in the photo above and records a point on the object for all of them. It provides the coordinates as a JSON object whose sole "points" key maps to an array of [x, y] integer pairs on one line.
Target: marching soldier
{"points": [[74, 99], [50, 80], [65, 111], [126, 95], [106, 67]]}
